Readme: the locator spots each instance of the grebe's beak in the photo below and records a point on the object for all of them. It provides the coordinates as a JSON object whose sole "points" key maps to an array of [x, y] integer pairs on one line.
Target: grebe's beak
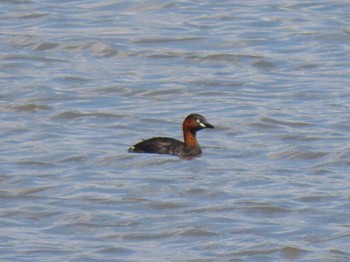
{"points": [[203, 123], [207, 125]]}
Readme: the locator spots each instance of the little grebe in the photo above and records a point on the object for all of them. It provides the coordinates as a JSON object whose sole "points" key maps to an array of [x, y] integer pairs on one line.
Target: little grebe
{"points": [[171, 146]]}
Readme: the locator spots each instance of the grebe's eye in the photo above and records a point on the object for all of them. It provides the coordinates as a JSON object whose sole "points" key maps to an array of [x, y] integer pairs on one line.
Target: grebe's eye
{"points": [[200, 123]]}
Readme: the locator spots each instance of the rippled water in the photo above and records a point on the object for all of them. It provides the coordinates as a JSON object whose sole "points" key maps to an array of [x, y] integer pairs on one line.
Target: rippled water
{"points": [[83, 80]]}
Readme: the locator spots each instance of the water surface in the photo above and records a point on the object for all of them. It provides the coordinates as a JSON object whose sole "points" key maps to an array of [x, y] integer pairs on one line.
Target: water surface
{"points": [[84, 80]]}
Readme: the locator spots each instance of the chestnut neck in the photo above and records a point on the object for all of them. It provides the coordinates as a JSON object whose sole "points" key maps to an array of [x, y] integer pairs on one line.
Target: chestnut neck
{"points": [[189, 132]]}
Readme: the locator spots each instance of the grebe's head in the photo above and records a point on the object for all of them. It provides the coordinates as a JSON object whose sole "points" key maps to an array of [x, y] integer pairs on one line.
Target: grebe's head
{"points": [[196, 122]]}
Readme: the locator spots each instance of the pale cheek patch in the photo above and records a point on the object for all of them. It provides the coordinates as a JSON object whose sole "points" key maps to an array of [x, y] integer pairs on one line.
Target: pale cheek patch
{"points": [[200, 123]]}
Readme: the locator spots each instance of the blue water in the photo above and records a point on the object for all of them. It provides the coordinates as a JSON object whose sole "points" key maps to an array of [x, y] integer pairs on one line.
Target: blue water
{"points": [[82, 81]]}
